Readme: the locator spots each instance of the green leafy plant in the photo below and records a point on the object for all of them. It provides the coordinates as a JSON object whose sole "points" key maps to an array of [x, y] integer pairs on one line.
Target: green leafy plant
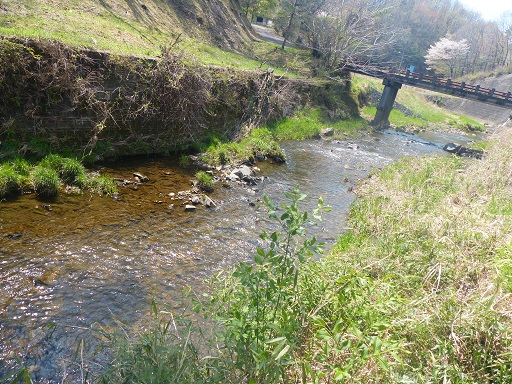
{"points": [[258, 306]]}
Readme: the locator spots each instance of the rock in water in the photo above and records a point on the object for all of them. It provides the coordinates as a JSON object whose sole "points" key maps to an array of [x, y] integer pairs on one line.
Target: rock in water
{"points": [[190, 208], [141, 177], [195, 199]]}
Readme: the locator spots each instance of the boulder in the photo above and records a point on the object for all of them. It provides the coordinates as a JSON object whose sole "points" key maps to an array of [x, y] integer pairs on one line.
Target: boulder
{"points": [[190, 208], [243, 172], [463, 151], [232, 177]]}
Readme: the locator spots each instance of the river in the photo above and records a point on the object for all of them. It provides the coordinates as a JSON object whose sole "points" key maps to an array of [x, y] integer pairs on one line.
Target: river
{"points": [[88, 260]]}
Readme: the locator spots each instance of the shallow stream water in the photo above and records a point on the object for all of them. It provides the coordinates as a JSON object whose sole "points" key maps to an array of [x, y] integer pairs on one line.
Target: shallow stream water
{"points": [[89, 260]]}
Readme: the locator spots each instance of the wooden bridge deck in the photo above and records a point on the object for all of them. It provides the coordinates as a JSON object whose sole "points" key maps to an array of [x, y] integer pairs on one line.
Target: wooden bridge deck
{"points": [[433, 83]]}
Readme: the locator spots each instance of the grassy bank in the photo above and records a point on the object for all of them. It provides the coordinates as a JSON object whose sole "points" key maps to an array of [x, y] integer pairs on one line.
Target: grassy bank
{"points": [[418, 290], [215, 35]]}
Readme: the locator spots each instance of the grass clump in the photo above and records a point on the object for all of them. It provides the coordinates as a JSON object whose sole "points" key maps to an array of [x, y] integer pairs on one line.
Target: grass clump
{"points": [[163, 353], [99, 184], [72, 172], [259, 144], [9, 182], [205, 181], [46, 181]]}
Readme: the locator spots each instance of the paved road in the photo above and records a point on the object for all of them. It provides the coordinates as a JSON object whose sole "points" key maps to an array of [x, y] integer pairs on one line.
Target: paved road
{"points": [[268, 34]]}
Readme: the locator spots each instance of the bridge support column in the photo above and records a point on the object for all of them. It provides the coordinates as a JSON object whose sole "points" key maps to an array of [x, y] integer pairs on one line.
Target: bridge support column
{"points": [[386, 102]]}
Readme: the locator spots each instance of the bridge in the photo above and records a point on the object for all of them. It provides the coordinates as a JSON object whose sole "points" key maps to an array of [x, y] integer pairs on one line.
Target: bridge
{"points": [[394, 79]]}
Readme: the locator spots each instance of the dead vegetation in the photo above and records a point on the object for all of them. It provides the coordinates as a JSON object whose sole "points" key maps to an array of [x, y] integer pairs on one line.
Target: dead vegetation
{"points": [[75, 97]]}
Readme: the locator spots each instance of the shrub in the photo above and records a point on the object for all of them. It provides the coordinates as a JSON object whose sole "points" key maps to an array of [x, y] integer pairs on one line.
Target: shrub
{"points": [[46, 181], [259, 306]]}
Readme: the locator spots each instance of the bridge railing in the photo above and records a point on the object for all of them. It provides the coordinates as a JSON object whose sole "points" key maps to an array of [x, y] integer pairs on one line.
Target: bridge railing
{"points": [[453, 85], [432, 82]]}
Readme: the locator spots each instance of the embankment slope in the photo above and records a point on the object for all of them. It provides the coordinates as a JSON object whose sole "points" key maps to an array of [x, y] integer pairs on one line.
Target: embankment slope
{"points": [[490, 114]]}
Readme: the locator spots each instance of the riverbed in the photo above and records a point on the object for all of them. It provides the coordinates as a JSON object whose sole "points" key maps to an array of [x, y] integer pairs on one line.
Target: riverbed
{"points": [[82, 261]]}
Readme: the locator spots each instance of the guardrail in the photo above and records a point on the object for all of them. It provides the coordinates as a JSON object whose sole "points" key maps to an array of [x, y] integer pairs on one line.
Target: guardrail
{"points": [[438, 84]]}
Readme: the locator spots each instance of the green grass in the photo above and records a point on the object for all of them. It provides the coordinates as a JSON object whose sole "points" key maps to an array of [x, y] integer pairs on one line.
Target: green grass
{"points": [[259, 143], [424, 235], [308, 123], [46, 177], [117, 28]]}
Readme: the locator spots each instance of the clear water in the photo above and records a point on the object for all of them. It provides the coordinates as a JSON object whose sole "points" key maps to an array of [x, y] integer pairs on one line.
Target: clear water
{"points": [[94, 259]]}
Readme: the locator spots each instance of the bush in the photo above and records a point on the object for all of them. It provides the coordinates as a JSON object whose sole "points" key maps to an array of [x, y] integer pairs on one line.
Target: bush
{"points": [[46, 181], [9, 182]]}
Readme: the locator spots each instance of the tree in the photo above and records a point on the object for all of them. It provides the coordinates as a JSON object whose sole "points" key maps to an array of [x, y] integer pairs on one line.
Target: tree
{"points": [[447, 55]]}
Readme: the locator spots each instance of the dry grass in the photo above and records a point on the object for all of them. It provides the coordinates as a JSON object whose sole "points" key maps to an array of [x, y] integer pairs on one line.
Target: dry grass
{"points": [[436, 233]]}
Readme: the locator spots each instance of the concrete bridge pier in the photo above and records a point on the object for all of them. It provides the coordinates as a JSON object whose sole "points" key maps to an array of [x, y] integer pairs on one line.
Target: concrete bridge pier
{"points": [[386, 102]]}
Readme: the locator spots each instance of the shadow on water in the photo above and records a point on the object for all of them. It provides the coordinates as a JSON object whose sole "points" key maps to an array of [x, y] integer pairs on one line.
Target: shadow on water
{"points": [[82, 260]]}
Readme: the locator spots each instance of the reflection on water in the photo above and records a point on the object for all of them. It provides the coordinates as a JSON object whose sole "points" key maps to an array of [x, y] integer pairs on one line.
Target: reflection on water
{"points": [[92, 259]]}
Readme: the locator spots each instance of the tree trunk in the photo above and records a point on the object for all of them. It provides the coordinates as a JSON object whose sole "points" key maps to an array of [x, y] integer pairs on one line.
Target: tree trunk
{"points": [[288, 28]]}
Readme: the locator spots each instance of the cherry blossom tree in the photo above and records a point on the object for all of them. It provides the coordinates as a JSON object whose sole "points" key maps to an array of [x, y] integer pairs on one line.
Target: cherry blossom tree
{"points": [[447, 56]]}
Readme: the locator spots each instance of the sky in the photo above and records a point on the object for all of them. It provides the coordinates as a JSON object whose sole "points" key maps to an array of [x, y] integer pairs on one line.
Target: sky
{"points": [[489, 9]]}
